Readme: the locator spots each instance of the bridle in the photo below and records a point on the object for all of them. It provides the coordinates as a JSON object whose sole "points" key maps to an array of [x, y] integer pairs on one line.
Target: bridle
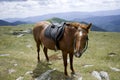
{"points": [[86, 45]]}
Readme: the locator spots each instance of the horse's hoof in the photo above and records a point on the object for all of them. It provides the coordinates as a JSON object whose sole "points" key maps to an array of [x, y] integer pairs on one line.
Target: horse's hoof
{"points": [[73, 74], [67, 77], [49, 63], [38, 61]]}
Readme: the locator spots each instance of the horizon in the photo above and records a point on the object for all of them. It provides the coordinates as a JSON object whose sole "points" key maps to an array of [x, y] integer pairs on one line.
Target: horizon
{"points": [[63, 13], [30, 8]]}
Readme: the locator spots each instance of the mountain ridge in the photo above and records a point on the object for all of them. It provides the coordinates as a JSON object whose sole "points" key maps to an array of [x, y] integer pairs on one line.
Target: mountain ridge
{"points": [[6, 23], [107, 20]]}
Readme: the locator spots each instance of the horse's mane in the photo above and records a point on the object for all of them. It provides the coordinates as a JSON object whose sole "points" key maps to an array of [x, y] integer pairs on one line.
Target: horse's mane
{"points": [[78, 25]]}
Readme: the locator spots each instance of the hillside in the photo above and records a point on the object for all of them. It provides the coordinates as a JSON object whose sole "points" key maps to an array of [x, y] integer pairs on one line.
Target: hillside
{"points": [[5, 23], [56, 20], [2, 23], [18, 56]]}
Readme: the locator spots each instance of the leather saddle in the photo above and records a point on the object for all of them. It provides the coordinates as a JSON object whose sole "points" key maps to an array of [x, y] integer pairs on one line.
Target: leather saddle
{"points": [[55, 32]]}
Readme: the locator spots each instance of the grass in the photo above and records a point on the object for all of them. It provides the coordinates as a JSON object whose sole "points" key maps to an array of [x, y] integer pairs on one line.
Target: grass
{"points": [[100, 45]]}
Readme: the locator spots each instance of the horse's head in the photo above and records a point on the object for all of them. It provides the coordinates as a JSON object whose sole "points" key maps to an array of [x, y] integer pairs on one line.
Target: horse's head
{"points": [[81, 38]]}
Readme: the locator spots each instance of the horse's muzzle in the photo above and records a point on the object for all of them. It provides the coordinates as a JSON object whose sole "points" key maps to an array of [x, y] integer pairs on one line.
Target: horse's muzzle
{"points": [[78, 54]]}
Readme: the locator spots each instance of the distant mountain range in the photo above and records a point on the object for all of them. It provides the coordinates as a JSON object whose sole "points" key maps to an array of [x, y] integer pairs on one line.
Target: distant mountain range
{"points": [[58, 20], [6, 23], [109, 23], [105, 20]]}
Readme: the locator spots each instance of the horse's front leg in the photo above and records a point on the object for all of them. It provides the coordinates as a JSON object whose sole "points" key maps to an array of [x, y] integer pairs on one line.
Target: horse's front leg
{"points": [[71, 63], [64, 54]]}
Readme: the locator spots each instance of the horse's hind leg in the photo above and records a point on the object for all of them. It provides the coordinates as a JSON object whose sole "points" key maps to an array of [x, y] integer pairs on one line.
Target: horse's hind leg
{"points": [[46, 55], [38, 50]]}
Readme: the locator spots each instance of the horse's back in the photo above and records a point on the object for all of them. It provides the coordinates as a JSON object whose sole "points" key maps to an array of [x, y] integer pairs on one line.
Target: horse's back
{"points": [[38, 28]]}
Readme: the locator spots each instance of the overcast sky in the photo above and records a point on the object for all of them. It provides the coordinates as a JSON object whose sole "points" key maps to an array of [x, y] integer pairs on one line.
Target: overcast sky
{"points": [[26, 8]]}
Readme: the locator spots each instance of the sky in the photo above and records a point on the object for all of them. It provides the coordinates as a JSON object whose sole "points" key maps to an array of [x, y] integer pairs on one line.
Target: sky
{"points": [[28, 8]]}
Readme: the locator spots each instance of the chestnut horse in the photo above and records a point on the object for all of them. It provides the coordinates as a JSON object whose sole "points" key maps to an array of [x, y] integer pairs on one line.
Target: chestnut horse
{"points": [[73, 42]]}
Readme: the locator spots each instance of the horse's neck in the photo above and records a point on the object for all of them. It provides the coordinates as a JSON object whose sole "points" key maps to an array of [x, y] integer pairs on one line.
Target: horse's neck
{"points": [[70, 33]]}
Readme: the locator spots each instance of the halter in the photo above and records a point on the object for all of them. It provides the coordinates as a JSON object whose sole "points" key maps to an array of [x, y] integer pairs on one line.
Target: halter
{"points": [[86, 45]]}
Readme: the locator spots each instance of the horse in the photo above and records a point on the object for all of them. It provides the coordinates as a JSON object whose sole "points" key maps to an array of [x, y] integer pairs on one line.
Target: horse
{"points": [[73, 42]]}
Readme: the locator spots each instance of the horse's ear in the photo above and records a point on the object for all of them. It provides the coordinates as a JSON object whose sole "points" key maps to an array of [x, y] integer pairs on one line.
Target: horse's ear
{"points": [[89, 26]]}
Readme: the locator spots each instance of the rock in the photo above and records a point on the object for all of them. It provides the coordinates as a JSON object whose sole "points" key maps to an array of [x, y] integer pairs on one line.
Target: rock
{"points": [[49, 63], [20, 78], [20, 35], [18, 32], [28, 72], [10, 71], [104, 75], [87, 65], [15, 64], [29, 46], [114, 69], [96, 75], [80, 78], [45, 76], [4, 54], [112, 54], [28, 31], [76, 76], [49, 78]]}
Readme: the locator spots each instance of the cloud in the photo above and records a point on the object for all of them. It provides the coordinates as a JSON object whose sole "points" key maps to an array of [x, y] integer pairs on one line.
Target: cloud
{"points": [[26, 8], [11, 0]]}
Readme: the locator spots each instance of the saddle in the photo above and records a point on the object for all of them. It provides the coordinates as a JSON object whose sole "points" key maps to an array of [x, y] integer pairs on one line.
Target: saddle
{"points": [[55, 32]]}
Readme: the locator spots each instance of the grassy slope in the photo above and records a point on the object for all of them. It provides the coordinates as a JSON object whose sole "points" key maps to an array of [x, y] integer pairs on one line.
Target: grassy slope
{"points": [[100, 45]]}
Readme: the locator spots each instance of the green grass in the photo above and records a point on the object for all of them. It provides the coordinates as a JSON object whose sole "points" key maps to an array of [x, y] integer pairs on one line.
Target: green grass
{"points": [[100, 45]]}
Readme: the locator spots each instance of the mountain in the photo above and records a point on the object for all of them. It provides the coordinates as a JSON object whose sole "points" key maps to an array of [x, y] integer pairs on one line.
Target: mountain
{"points": [[94, 27], [59, 20], [19, 22], [109, 23], [6, 23], [66, 16], [11, 20], [107, 20]]}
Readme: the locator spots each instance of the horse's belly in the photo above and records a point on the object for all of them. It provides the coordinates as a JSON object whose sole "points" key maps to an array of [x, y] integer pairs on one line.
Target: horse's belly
{"points": [[48, 43]]}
